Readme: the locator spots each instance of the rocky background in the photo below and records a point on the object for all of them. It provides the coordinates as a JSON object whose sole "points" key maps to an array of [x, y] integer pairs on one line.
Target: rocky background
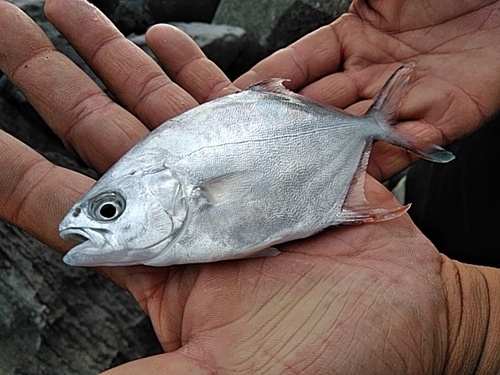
{"points": [[56, 319]]}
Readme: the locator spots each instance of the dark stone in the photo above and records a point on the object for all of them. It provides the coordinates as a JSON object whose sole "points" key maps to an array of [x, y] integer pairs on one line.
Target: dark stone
{"points": [[135, 16], [129, 16], [8, 90], [273, 25], [56, 319], [107, 6], [221, 43], [182, 10]]}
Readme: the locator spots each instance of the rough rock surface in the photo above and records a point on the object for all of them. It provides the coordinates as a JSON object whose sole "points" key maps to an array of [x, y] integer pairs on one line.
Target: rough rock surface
{"points": [[56, 319], [271, 25], [60, 320], [135, 16], [221, 43]]}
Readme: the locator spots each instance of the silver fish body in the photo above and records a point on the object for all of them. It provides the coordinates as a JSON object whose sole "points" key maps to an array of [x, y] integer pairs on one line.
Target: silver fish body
{"points": [[233, 177]]}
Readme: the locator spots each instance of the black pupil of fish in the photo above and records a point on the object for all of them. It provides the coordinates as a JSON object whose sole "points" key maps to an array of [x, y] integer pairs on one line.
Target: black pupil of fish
{"points": [[108, 211]]}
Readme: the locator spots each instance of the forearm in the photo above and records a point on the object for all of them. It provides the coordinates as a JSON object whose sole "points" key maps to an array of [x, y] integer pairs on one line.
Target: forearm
{"points": [[473, 296]]}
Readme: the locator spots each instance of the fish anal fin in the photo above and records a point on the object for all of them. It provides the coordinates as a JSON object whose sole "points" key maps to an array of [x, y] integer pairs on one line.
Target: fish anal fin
{"points": [[356, 194], [229, 187], [363, 215], [356, 208]]}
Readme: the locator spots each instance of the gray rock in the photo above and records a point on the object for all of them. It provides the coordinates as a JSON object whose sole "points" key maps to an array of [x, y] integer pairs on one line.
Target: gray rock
{"points": [[8, 90], [60, 320], [275, 24], [134, 16], [129, 16], [271, 25], [24, 4], [221, 43]]}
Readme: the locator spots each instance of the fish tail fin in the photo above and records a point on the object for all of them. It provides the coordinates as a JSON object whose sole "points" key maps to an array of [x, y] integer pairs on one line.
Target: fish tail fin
{"points": [[385, 109]]}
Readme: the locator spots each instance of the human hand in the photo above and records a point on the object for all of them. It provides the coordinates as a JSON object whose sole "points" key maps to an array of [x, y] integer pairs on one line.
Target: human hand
{"points": [[455, 87], [327, 304]]}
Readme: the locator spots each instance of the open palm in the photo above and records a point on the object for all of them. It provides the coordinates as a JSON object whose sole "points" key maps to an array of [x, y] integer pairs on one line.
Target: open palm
{"points": [[316, 307]]}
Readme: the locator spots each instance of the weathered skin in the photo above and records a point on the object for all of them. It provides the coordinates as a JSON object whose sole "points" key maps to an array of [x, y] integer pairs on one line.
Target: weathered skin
{"points": [[233, 177]]}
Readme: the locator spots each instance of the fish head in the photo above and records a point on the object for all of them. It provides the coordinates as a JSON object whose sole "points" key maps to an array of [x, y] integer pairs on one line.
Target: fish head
{"points": [[125, 220]]}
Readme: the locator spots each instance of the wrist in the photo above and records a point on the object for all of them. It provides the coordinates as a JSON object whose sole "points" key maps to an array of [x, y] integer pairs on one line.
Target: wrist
{"points": [[473, 301]]}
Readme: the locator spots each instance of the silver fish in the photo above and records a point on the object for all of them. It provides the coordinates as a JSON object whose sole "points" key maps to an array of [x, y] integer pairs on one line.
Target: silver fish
{"points": [[233, 177]]}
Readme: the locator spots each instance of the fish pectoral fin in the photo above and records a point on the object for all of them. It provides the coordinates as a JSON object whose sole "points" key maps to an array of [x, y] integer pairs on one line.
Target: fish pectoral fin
{"points": [[370, 215], [230, 187]]}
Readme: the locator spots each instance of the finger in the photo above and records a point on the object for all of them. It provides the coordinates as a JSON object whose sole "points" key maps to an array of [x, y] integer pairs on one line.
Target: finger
{"points": [[187, 64], [69, 101], [336, 90], [34, 193], [133, 77], [304, 61], [171, 363]]}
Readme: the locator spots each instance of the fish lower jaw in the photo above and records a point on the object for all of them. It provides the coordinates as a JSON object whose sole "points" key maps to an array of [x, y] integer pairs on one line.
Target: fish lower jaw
{"points": [[91, 250], [88, 254], [85, 254]]}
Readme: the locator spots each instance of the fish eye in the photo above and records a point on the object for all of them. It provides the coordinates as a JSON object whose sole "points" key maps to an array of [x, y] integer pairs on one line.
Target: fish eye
{"points": [[107, 206], [108, 211]]}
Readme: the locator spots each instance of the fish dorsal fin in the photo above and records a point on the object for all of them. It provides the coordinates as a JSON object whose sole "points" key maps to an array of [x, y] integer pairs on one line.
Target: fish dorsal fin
{"points": [[230, 187], [274, 85]]}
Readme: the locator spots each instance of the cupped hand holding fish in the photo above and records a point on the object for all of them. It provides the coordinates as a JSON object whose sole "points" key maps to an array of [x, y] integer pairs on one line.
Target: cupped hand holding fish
{"points": [[368, 297]]}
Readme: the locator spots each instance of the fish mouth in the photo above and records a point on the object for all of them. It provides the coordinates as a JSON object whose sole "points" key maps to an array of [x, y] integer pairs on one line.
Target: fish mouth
{"points": [[82, 235], [92, 250]]}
